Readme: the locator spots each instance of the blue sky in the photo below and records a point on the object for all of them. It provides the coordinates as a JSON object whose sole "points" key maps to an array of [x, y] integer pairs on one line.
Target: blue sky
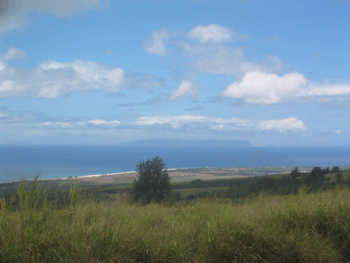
{"points": [[104, 72]]}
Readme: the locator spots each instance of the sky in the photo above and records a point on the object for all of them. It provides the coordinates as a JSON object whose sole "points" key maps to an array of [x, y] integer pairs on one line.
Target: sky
{"points": [[103, 72]]}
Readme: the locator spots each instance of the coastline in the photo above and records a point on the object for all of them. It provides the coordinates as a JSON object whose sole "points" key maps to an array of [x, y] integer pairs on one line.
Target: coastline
{"points": [[179, 174], [203, 173], [102, 175]]}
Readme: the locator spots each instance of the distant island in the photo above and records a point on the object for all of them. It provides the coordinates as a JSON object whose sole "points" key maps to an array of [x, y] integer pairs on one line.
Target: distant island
{"points": [[186, 143]]}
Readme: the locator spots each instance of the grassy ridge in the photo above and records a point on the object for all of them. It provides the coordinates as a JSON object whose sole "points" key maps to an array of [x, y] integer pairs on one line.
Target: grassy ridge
{"points": [[298, 227]]}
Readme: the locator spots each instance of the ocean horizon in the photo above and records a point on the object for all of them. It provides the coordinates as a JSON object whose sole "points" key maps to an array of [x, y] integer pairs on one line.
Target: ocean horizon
{"points": [[78, 160]]}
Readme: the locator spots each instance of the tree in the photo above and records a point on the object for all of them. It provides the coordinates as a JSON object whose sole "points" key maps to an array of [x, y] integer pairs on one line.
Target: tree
{"points": [[153, 182], [317, 174], [336, 170], [295, 173]]}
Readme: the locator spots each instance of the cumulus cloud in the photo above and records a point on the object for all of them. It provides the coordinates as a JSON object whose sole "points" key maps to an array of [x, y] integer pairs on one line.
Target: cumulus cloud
{"points": [[14, 13], [257, 82], [54, 79], [215, 32], [177, 121], [155, 45], [14, 53], [186, 90], [265, 88], [283, 125]]}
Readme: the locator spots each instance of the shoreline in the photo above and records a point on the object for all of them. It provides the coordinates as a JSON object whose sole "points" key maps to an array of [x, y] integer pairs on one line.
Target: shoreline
{"points": [[101, 175], [180, 172]]}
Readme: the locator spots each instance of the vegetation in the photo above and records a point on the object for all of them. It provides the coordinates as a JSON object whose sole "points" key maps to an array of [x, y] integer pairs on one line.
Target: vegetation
{"points": [[153, 182], [261, 219]]}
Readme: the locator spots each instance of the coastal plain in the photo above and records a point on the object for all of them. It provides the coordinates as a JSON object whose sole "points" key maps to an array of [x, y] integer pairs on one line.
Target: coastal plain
{"points": [[182, 175]]}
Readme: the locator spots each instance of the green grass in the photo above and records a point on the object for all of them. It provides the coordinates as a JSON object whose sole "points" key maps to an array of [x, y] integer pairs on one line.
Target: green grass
{"points": [[292, 228], [186, 192]]}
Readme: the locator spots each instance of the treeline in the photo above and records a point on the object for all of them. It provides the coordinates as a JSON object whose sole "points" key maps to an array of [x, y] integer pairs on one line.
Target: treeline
{"points": [[272, 184]]}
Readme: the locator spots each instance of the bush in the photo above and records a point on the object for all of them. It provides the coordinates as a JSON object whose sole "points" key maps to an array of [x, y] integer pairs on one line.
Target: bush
{"points": [[153, 182]]}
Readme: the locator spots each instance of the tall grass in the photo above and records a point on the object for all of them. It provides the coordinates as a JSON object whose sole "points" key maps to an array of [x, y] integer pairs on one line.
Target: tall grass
{"points": [[267, 228]]}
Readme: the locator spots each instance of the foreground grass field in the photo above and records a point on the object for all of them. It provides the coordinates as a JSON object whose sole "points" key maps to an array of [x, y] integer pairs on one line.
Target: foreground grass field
{"points": [[305, 227]]}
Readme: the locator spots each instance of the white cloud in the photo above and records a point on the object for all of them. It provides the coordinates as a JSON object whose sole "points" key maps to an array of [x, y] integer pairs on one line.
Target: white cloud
{"points": [[6, 86], [104, 122], [337, 132], [211, 32], [215, 32], [2, 65], [89, 72], [173, 121], [291, 123], [265, 88], [77, 76], [14, 13], [64, 124], [53, 79], [155, 45], [71, 124], [186, 90], [177, 121], [325, 90], [56, 124], [3, 114], [14, 53], [29, 124], [207, 46], [228, 61], [217, 127]]}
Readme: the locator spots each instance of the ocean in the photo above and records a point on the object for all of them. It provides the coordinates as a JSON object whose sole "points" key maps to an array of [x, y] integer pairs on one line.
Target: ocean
{"points": [[63, 161]]}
